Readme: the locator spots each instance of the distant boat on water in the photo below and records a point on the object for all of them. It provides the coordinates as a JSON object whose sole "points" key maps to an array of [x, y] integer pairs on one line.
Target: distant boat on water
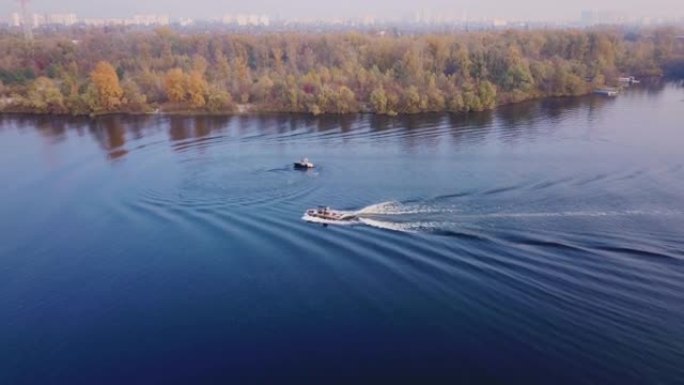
{"points": [[303, 164]]}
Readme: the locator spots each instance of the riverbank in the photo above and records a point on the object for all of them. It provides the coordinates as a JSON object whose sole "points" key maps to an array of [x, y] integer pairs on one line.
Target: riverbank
{"points": [[169, 109]]}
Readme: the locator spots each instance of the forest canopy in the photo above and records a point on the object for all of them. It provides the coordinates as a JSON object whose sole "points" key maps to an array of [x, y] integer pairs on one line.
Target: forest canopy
{"points": [[96, 71]]}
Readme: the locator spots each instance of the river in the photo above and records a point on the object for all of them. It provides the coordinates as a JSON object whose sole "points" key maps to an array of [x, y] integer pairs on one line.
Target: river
{"points": [[539, 243]]}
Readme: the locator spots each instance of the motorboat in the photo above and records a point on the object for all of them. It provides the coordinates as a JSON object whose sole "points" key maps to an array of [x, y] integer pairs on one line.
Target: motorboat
{"points": [[303, 164], [325, 215]]}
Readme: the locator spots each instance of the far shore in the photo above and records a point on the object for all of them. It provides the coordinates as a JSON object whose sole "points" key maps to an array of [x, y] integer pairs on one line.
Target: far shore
{"points": [[252, 110], [217, 73]]}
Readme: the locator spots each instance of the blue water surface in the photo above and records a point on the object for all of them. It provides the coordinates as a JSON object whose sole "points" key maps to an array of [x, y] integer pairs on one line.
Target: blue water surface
{"points": [[539, 243]]}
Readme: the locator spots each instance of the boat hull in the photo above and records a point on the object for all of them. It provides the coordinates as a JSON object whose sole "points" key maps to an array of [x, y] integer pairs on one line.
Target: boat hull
{"points": [[330, 217], [303, 166]]}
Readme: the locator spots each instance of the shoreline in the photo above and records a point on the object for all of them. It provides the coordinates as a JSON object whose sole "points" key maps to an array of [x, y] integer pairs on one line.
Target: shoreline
{"points": [[250, 109], [264, 112]]}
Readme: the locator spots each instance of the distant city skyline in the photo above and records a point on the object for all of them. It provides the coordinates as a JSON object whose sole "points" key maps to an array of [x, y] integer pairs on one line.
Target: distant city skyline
{"points": [[528, 10]]}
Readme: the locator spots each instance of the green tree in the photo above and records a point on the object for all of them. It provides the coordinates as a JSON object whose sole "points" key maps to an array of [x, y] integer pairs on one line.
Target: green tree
{"points": [[487, 94]]}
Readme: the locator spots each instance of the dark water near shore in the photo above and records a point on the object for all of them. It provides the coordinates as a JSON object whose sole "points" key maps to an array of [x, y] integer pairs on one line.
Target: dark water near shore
{"points": [[540, 243]]}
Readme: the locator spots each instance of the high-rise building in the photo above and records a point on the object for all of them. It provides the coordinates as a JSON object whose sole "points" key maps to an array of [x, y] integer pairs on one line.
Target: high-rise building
{"points": [[150, 19], [246, 20], [66, 19]]}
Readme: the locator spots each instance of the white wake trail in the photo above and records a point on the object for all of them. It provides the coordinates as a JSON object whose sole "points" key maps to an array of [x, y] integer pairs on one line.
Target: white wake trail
{"points": [[415, 218], [579, 214], [394, 208]]}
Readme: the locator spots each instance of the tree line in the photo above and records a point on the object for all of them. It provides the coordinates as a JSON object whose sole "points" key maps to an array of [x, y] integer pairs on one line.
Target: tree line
{"points": [[115, 70]]}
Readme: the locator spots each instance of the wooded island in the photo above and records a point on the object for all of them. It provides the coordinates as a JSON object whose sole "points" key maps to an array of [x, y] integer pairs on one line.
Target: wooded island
{"points": [[116, 70]]}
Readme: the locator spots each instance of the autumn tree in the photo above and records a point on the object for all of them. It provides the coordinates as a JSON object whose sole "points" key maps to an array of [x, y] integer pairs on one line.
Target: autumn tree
{"points": [[174, 85], [411, 101], [262, 88], [487, 94], [378, 101], [44, 96], [108, 91], [133, 99], [345, 101], [221, 71], [220, 101], [197, 89], [151, 85]]}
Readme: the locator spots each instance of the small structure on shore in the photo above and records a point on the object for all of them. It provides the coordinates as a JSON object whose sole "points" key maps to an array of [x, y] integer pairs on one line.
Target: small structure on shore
{"points": [[628, 80], [607, 91]]}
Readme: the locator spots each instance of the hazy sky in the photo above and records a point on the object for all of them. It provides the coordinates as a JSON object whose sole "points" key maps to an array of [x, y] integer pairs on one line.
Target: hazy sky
{"points": [[520, 9]]}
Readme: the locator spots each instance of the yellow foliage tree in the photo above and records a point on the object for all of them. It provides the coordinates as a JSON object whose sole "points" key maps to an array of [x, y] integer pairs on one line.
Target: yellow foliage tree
{"points": [[107, 88], [197, 89], [174, 85], [44, 96]]}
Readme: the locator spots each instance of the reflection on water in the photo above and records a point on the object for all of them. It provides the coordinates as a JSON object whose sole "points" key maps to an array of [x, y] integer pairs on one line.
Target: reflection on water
{"points": [[113, 132], [513, 122]]}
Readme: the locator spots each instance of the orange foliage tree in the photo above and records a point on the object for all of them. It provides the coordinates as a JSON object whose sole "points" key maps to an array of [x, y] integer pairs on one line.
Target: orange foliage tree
{"points": [[108, 91]]}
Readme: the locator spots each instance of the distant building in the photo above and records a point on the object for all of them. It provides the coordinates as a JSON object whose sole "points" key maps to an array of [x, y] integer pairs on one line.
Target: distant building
{"points": [[253, 19], [149, 20], [228, 19], [66, 19], [16, 20], [611, 17], [39, 20], [244, 20], [104, 22], [184, 21], [139, 20], [499, 23], [368, 20]]}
